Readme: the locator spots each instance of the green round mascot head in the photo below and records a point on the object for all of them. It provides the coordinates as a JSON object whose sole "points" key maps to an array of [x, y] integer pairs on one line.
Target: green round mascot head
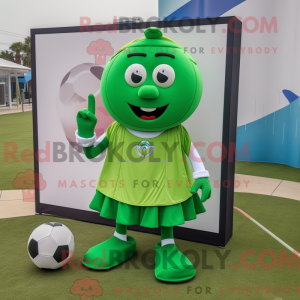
{"points": [[151, 83]]}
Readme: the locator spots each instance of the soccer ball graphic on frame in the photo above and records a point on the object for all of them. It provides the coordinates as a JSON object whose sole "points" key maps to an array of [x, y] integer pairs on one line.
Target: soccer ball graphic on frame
{"points": [[51, 245], [77, 84]]}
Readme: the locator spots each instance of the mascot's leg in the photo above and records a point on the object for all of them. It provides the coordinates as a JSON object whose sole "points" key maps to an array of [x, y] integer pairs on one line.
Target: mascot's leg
{"points": [[170, 264], [112, 252]]}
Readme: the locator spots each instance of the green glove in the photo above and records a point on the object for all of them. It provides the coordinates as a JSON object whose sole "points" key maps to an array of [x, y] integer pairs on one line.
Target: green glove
{"points": [[204, 185], [86, 119]]}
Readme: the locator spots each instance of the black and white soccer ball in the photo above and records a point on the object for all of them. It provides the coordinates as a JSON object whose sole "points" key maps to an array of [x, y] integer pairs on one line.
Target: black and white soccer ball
{"points": [[51, 245]]}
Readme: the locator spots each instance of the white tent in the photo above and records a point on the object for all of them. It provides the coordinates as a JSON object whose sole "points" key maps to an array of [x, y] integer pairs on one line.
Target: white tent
{"points": [[6, 68]]}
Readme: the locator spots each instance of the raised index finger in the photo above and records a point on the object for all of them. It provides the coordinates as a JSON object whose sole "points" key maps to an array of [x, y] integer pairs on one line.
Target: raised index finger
{"points": [[91, 103]]}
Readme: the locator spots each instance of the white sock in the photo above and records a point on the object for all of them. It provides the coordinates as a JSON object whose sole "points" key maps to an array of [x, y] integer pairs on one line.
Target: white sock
{"points": [[167, 242], [120, 236]]}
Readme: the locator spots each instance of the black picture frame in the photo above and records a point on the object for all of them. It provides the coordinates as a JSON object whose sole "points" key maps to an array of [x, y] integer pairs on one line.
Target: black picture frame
{"points": [[228, 136]]}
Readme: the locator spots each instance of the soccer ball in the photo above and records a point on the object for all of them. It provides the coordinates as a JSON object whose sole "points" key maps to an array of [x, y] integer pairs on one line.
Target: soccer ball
{"points": [[51, 245], [74, 90]]}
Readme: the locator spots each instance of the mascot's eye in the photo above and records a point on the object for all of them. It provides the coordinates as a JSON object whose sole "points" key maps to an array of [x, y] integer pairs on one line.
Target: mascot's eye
{"points": [[135, 75], [163, 76]]}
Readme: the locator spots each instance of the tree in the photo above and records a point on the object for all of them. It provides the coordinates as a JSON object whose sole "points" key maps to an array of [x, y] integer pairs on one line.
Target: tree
{"points": [[27, 52], [17, 48], [21, 52], [7, 55]]}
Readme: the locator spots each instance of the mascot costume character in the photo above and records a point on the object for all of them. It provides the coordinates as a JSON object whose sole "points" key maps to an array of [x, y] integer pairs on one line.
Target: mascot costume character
{"points": [[150, 86]]}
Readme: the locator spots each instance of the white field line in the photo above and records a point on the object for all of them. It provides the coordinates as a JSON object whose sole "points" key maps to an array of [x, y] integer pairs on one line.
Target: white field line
{"points": [[268, 231]]}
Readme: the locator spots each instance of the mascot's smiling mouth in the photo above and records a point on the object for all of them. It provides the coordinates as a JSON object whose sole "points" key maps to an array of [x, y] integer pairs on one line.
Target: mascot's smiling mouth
{"points": [[148, 113]]}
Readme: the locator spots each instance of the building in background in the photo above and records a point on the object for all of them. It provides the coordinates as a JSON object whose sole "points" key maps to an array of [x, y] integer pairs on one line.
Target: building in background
{"points": [[8, 68]]}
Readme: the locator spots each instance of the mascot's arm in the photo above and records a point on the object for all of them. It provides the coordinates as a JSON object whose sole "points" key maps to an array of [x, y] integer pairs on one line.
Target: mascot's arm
{"points": [[92, 147], [200, 175], [85, 135]]}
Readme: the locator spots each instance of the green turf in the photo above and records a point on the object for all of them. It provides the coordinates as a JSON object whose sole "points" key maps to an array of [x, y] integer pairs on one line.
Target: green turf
{"points": [[279, 215], [268, 170], [21, 279], [15, 128]]}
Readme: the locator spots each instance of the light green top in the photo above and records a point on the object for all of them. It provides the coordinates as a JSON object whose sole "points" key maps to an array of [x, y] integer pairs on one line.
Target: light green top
{"points": [[146, 171]]}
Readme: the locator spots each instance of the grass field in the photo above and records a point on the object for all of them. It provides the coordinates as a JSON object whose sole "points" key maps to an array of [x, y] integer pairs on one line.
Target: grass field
{"points": [[21, 279], [16, 129], [268, 170]]}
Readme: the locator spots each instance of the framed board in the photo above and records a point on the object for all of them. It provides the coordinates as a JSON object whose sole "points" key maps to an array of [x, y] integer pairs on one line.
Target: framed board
{"points": [[66, 68]]}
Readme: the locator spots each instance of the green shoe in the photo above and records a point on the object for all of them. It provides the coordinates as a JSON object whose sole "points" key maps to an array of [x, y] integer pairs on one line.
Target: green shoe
{"points": [[110, 253], [171, 265]]}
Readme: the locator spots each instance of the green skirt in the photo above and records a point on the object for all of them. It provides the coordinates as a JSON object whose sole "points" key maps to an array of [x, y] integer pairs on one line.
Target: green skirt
{"points": [[147, 216]]}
